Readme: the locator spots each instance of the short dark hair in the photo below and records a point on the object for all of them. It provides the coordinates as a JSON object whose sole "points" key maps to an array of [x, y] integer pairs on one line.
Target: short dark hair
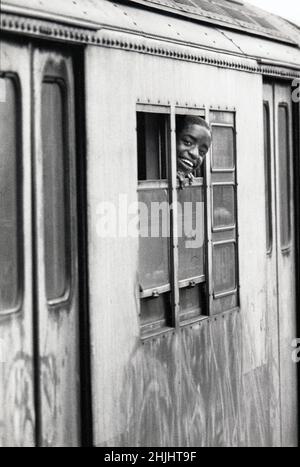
{"points": [[187, 120]]}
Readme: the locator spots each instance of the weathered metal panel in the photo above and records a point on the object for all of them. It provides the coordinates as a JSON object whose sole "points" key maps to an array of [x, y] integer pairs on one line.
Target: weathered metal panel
{"points": [[103, 16], [58, 340], [91, 12], [214, 383], [17, 415]]}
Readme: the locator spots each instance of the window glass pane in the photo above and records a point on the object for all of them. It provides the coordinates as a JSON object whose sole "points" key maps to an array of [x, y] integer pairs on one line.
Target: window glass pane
{"points": [[55, 177], [191, 232], [222, 148], [154, 238], [192, 302], [152, 151], [224, 268], [268, 185], [10, 194], [284, 176], [223, 206], [155, 310]]}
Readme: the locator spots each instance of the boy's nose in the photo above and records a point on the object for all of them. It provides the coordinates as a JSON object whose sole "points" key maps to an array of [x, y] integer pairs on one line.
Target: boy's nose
{"points": [[195, 153]]}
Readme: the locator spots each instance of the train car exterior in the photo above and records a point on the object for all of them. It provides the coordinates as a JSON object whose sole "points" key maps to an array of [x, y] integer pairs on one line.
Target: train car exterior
{"points": [[116, 339]]}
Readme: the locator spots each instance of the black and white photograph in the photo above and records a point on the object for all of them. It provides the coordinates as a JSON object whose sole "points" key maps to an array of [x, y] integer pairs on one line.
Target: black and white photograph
{"points": [[149, 226]]}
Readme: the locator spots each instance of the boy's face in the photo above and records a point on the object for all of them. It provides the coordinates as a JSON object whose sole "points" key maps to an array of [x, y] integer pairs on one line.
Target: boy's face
{"points": [[193, 142]]}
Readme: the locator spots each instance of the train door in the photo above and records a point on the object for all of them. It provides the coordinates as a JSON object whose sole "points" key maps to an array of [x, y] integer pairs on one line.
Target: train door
{"points": [[56, 262], [39, 331], [281, 247], [17, 414]]}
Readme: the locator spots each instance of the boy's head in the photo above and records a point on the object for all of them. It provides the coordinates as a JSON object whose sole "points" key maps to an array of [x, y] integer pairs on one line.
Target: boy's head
{"points": [[193, 143]]}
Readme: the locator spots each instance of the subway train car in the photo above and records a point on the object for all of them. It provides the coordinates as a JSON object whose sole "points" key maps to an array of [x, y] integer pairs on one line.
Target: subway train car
{"points": [[114, 335]]}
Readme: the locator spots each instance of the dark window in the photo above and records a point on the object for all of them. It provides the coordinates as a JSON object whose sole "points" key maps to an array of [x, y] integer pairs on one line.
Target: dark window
{"points": [[268, 179], [284, 175], [154, 241], [154, 238], [10, 197], [191, 251], [192, 302], [55, 179], [191, 228], [151, 133], [224, 206], [224, 265], [222, 148]]}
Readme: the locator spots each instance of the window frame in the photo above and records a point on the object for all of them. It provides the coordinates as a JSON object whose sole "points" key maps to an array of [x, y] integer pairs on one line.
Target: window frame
{"points": [[145, 185], [268, 179], [285, 249], [224, 184], [15, 78], [230, 234], [172, 183], [50, 76], [231, 169]]}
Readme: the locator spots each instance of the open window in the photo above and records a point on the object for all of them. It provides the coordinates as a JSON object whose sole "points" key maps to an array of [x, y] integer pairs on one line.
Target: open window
{"points": [[191, 240], [153, 195]]}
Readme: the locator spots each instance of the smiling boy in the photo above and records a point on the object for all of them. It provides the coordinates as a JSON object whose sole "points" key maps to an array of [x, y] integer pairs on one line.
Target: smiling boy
{"points": [[193, 143]]}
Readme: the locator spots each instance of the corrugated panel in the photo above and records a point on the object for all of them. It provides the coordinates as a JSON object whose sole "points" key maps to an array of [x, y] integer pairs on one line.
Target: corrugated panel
{"points": [[237, 14], [263, 22], [225, 12], [208, 6], [92, 13]]}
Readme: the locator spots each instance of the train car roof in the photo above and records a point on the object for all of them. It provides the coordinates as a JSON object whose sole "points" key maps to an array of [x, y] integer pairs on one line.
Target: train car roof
{"points": [[230, 26]]}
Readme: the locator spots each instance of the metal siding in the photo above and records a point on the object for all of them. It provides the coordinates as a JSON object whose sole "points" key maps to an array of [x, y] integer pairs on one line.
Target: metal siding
{"points": [[225, 369]]}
